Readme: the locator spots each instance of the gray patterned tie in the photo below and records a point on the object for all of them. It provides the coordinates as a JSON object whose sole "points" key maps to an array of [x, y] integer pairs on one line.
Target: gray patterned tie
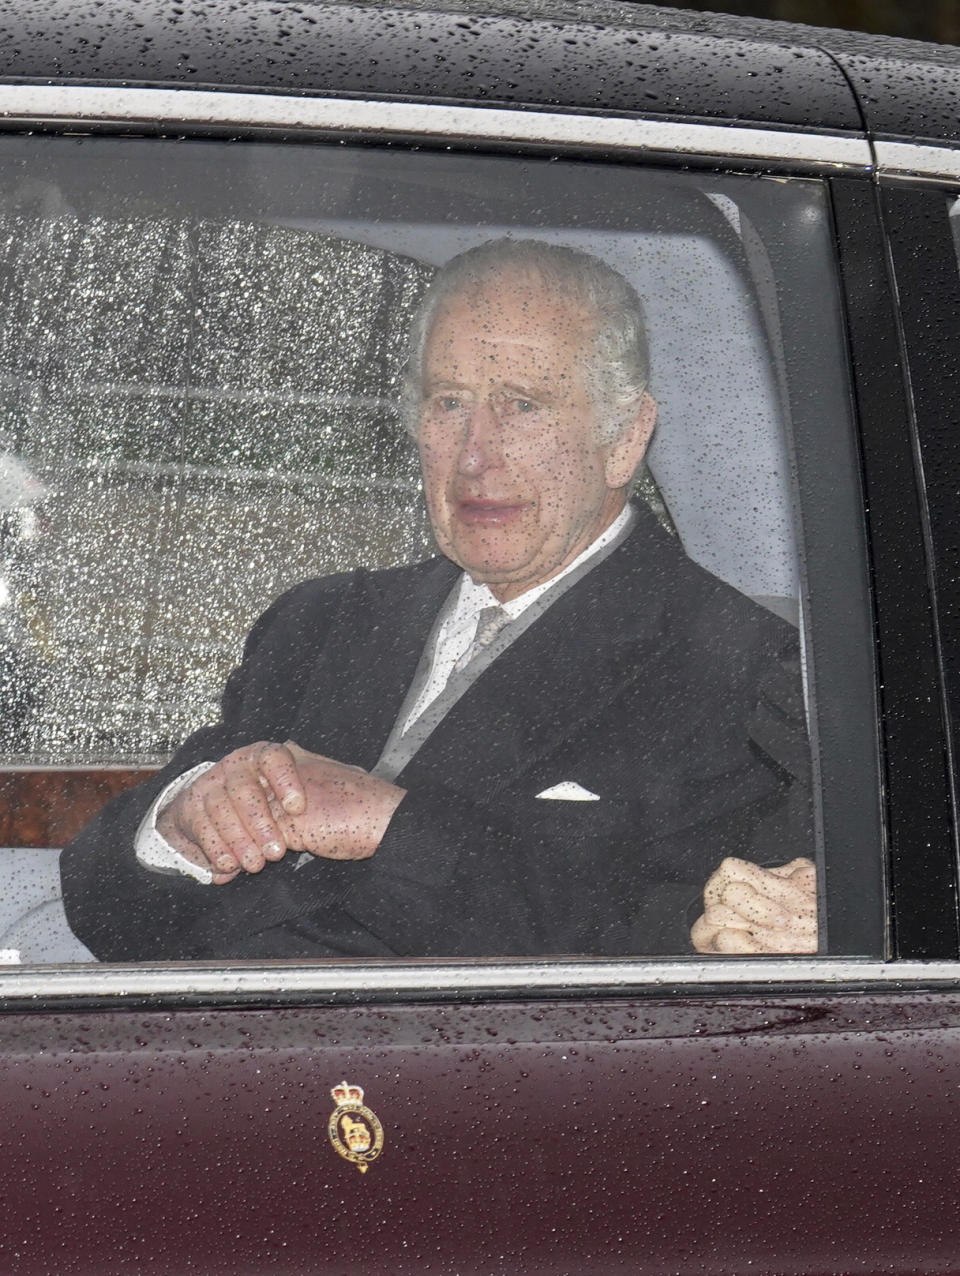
{"points": [[489, 623]]}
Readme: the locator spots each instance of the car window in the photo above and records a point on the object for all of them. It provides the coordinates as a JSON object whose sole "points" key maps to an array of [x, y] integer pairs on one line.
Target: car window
{"points": [[211, 394], [955, 225]]}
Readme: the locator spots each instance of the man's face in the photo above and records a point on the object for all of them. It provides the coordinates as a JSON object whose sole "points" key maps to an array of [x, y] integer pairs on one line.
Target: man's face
{"points": [[516, 483]]}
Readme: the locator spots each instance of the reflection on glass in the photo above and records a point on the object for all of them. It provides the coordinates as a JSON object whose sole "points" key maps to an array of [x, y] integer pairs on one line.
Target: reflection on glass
{"points": [[191, 411]]}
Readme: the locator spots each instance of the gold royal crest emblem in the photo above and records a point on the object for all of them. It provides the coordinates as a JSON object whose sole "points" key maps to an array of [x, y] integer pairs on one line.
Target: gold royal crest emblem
{"points": [[354, 1130]]}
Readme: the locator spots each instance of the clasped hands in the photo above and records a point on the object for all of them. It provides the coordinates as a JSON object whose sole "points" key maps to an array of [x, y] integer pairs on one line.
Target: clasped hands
{"points": [[265, 799], [749, 909]]}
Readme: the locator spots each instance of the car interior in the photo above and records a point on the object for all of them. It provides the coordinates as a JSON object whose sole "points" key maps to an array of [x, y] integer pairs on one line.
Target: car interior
{"points": [[226, 423]]}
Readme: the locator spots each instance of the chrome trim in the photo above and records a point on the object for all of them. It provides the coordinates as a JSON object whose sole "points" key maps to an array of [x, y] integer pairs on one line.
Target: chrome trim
{"points": [[70, 104], [909, 159], [370, 980]]}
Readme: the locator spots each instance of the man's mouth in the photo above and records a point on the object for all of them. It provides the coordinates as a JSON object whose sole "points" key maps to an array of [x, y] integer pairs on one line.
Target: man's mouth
{"points": [[490, 513]]}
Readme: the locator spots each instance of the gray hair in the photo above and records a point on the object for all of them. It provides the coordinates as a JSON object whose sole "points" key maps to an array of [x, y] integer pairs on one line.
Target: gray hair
{"points": [[619, 370]]}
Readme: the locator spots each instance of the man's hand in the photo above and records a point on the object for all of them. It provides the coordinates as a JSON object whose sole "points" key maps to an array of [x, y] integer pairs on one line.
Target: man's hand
{"points": [[748, 909], [223, 821], [347, 809], [265, 799]]}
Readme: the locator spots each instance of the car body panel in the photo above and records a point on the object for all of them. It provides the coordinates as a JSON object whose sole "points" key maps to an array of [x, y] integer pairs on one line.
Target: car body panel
{"points": [[536, 1119], [723, 1134], [606, 57], [899, 100], [340, 49]]}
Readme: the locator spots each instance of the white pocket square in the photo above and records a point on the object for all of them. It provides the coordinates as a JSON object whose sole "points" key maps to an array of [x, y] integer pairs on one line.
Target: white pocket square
{"points": [[569, 791]]}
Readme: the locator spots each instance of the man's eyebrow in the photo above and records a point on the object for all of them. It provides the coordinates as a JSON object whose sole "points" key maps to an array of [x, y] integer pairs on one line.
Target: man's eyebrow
{"points": [[432, 384], [542, 392]]}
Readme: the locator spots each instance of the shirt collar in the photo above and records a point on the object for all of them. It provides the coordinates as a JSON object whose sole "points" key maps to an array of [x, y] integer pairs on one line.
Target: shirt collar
{"points": [[474, 597]]}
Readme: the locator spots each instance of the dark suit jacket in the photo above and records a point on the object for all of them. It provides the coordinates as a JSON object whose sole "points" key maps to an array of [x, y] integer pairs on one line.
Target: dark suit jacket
{"points": [[641, 684]]}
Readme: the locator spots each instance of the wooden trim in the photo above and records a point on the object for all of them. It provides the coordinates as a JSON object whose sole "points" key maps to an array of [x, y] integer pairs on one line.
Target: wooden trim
{"points": [[47, 807]]}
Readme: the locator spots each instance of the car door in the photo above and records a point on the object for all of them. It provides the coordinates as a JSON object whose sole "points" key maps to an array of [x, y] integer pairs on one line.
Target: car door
{"points": [[551, 1114]]}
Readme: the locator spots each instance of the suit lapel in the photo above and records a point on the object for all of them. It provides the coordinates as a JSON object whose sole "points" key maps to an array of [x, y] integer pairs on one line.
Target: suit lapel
{"points": [[560, 673], [402, 747], [367, 664]]}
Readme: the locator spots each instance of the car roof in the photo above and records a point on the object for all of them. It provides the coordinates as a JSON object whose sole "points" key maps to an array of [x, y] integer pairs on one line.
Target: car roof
{"points": [[595, 55]]}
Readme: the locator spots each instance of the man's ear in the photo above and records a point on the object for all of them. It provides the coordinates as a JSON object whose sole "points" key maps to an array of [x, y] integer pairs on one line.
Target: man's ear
{"points": [[630, 446]]}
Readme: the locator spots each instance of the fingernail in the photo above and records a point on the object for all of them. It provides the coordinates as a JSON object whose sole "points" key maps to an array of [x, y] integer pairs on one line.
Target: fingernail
{"points": [[292, 803], [226, 864], [272, 848]]}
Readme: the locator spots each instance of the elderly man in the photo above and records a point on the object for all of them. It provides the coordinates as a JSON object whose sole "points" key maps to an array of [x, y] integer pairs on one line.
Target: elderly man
{"points": [[540, 742]]}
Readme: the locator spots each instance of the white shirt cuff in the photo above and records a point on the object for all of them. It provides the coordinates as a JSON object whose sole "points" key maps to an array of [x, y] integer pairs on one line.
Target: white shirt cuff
{"points": [[153, 850]]}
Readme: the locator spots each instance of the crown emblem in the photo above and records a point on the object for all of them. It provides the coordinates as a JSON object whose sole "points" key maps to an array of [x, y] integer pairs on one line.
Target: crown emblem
{"points": [[353, 1129], [343, 1094]]}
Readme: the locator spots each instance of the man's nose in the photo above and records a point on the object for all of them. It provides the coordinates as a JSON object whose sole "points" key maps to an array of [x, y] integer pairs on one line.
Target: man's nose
{"points": [[481, 446]]}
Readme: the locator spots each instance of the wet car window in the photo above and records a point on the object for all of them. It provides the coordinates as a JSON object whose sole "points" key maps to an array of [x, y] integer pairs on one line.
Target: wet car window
{"points": [[955, 226], [529, 718]]}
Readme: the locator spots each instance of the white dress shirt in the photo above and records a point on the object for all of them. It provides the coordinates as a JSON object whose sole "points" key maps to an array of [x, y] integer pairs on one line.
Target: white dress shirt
{"points": [[456, 634]]}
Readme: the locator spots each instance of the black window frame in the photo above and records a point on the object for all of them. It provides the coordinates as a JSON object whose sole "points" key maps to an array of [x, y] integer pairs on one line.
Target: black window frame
{"points": [[917, 567]]}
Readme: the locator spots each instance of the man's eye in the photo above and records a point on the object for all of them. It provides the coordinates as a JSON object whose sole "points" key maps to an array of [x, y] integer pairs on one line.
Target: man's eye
{"points": [[448, 403], [516, 405]]}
